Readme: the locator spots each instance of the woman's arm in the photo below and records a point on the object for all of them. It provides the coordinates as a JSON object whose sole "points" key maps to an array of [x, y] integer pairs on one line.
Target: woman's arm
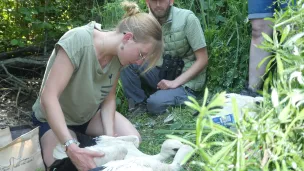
{"points": [[58, 78], [108, 109], [55, 83]]}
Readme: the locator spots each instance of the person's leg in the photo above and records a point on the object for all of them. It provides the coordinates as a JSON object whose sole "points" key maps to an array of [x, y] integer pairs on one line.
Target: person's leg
{"points": [[158, 102], [258, 10], [130, 78], [122, 126], [131, 83], [48, 142], [259, 26]]}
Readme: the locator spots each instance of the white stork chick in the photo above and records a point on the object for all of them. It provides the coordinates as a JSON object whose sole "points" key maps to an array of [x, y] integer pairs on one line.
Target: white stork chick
{"points": [[168, 149], [124, 147], [111, 153], [148, 164]]}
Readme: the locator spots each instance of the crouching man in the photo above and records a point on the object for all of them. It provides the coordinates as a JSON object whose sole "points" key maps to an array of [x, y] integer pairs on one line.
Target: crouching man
{"points": [[182, 70]]}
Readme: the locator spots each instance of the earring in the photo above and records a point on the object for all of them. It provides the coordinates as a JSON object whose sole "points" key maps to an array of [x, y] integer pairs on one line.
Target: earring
{"points": [[121, 47]]}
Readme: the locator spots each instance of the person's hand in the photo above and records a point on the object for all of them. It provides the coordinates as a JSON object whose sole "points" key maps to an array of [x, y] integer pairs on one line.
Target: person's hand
{"points": [[166, 84], [82, 158]]}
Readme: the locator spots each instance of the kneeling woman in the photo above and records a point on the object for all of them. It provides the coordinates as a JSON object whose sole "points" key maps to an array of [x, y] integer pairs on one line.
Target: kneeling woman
{"points": [[79, 85]]}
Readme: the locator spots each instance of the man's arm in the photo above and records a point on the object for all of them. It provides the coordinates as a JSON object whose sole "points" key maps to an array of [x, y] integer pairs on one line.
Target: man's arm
{"points": [[200, 64], [196, 40], [108, 109]]}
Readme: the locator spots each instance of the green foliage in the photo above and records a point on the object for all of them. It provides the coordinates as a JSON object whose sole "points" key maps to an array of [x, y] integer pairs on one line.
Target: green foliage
{"points": [[41, 23], [272, 139], [27, 23], [228, 39]]}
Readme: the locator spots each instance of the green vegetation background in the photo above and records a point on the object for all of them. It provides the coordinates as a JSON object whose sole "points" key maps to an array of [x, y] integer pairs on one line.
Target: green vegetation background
{"points": [[41, 23]]}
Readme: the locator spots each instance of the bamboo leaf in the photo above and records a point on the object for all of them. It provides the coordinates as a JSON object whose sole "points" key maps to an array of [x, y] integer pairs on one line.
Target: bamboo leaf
{"points": [[222, 153], [187, 157], [277, 166], [266, 37], [204, 155], [235, 110], [193, 100], [209, 135], [280, 67], [224, 130], [199, 129], [299, 161], [266, 85], [270, 63], [285, 33], [263, 61], [181, 140], [284, 114], [293, 39], [241, 153], [275, 98], [218, 100], [284, 166], [205, 97], [192, 105]]}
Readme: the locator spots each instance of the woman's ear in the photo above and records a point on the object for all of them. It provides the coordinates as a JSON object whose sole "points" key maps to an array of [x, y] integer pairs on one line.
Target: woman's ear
{"points": [[127, 36]]}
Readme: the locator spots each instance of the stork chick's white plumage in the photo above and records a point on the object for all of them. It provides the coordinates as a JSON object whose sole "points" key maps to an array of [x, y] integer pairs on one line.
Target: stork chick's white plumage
{"points": [[112, 153], [168, 149], [148, 164], [124, 147]]}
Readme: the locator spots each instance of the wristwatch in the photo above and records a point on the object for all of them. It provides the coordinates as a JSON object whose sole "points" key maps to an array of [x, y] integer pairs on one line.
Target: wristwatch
{"points": [[68, 143]]}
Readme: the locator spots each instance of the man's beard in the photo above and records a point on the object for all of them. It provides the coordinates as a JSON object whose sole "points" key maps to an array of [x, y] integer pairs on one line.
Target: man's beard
{"points": [[163, 16]]}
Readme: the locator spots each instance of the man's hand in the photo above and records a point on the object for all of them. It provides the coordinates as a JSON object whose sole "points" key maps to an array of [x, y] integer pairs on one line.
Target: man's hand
{"points": [[166, 84], [82, 158]]}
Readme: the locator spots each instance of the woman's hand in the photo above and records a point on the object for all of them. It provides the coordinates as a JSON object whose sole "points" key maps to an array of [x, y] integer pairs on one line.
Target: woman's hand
{"points": [[82, 158]]}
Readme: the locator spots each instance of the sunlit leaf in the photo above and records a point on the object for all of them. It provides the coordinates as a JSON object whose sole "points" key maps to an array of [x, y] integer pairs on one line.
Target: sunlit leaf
{"points": [[275, 98], [293, 39], [298, 76], [193, 106], [264, 60], [187, 157], [284, 114], [285, 33], [266, 37], [223, 152], [218, 100]]}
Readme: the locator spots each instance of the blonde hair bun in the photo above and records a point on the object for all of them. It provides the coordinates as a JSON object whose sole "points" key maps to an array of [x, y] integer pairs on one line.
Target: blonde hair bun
{"points": [[131, 8]]}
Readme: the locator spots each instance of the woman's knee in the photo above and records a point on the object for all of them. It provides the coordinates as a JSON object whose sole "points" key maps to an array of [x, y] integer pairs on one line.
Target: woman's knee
{"points": [[123, 127], [48, 143]]}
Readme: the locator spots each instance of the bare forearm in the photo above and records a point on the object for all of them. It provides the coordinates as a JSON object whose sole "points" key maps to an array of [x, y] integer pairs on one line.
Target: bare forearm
{"points": [[55, 118], [194, 70], [108, 110]]}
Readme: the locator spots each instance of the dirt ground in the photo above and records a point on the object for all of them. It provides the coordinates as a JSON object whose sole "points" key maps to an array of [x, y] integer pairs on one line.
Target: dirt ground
{"points": [[12, 113]]}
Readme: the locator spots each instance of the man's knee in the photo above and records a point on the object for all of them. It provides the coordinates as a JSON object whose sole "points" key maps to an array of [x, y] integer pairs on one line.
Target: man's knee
{"points": [[155, 105]]}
